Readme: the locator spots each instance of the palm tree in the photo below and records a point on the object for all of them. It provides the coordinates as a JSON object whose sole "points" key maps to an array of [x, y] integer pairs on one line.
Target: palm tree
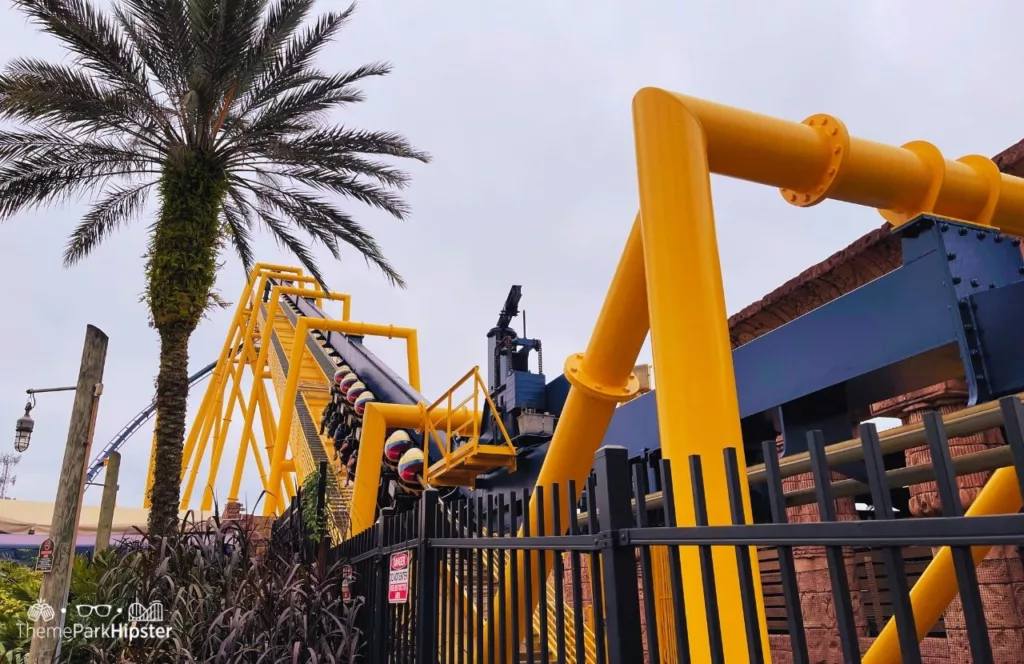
{"points": [[218, 106]]}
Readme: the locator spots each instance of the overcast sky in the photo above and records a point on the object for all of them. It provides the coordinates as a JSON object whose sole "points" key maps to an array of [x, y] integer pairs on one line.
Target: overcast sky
{"points": [[526, 109]]}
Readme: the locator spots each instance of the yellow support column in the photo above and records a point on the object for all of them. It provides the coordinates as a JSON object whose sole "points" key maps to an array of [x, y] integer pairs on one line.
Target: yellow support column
{"points": [[698, 410], [291, 391], [601, 377], [209, 426]]}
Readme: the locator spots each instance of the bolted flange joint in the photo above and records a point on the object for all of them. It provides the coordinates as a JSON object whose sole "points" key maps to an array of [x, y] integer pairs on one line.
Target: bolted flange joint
{"points": [[836, 143], [579, 379]]}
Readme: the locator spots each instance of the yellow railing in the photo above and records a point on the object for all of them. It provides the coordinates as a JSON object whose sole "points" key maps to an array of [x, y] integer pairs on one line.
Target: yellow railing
{"points": [[443, 437]]}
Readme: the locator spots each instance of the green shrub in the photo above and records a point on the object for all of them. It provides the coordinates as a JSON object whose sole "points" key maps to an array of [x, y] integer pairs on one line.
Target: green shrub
{"points": [[314, 523]]}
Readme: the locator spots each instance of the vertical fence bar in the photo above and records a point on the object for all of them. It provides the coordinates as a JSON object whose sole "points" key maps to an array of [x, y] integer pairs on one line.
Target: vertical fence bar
{"points": [[892, 557], [528, 579], [380, 573], [787, 568], [646, 574], [502, 645], [453, 574], [514, 578], [398, 637], [559, 575], [675, 568], [748, 594], [443, 596], [576, 577], [478, 532], [707, 564], [460, 600], [618, 568], [596, 577], [491, 554], [427, 577], [542, 601], [470, 581], [963, 563], [834, 554]]}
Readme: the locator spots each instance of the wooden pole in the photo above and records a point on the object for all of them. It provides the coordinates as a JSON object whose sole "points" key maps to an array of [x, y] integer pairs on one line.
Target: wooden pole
{"points": [[67, 506], [108, 501]]}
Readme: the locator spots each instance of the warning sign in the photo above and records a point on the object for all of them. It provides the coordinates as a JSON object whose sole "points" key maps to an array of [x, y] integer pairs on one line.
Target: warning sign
{"points": [[44, 561], [398, 578]]}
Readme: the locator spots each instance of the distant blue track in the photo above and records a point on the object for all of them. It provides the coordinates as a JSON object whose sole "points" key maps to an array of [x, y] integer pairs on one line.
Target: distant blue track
{"points": [[130, 429]]}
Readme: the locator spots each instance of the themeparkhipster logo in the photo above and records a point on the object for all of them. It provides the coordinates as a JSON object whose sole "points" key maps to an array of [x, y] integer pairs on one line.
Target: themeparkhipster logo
{"points": [[138, 622]]}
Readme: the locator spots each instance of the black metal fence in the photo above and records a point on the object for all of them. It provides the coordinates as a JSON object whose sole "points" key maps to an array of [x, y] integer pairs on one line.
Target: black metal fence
{"points": [[433, 578]]}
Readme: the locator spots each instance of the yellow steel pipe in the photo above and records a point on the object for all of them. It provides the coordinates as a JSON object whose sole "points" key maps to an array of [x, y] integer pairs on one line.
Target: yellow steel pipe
{"points": [[257, 370], [302, 328], [601, 377], [220, 436], [936, 588], [229, 344], [690, 337], [378, 418], [818, 159]]}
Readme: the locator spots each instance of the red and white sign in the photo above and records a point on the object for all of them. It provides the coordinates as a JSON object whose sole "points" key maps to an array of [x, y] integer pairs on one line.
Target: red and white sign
{"points": [[398, 578]]}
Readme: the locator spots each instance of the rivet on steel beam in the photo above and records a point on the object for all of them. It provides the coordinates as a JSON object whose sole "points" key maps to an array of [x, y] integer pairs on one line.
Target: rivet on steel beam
{"points": [[1016, 242], [974, 283], [963, 231], [981, 235], [951, 256], [992, 285], [963, 302], [998, 238], [956, 280], [943, 227]]}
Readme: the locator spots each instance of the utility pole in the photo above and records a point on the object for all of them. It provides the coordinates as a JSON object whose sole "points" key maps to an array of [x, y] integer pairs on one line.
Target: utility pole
{"points": [[68, 505], [108, 501]]}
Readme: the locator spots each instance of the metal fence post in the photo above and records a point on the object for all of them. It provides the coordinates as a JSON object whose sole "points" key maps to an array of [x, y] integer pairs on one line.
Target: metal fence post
{"points": [[379, 626], [426, 580], [618, 560]]}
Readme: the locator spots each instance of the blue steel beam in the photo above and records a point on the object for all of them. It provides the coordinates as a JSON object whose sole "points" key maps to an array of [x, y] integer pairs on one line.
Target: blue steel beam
{"points": [[908, 329]]}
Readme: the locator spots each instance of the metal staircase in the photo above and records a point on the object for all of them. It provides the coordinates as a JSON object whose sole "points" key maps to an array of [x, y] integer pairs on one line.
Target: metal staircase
{"points": [[308, 447]]}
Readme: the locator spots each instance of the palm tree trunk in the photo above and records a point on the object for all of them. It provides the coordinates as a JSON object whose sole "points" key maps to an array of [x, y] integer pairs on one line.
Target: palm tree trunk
{"points": [[171, 405], [181, 271]]}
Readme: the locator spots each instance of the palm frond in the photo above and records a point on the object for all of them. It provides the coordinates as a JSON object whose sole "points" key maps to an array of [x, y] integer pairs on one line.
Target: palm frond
{"points": [[120, 206], [54, 175], [324, 222], [96, 41], [34, 91], [288, 240], [159, 29], [232, 80], [350, 186], [237, 216], [292, 67], [281, 21]]}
